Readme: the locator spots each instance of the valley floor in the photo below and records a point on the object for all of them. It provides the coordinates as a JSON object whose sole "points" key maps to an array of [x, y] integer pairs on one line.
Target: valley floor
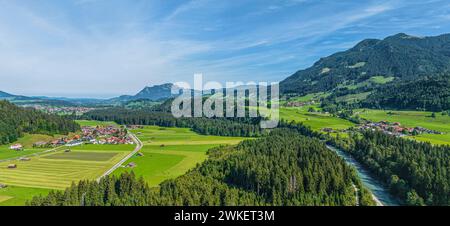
{"points": [[319, 121], [167, 154], [171, 152]]}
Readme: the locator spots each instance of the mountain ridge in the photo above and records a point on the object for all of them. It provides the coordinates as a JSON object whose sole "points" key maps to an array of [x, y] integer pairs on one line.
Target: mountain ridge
{"points": [[402, 56]]}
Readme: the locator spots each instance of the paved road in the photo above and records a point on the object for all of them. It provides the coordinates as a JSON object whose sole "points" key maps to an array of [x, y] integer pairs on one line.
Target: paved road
{"points": [[119, 164]]}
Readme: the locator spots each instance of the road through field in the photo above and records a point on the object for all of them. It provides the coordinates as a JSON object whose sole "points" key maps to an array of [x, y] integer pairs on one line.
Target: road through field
{"points": [[139, 146]]}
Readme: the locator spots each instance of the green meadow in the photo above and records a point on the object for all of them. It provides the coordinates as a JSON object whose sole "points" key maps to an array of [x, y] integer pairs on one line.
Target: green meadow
{"points": [[95, 123], [171, 152], [412, 119], [27, 141], [57, 170], [17, 196], [315, 120]]}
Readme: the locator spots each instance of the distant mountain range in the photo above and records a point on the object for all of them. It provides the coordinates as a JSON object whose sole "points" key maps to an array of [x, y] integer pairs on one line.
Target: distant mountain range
{"points": [[24, 100], [153, 93]]}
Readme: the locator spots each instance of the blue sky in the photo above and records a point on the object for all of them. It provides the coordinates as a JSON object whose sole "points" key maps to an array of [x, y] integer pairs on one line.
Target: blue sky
{"points": [[103, 48]]}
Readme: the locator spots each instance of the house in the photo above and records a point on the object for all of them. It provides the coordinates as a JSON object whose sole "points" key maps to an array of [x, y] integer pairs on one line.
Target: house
{"points": [[131, 165], [16, 147]]}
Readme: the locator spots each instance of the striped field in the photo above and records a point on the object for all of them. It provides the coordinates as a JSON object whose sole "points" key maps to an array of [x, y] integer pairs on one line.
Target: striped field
{"points": [[171, 152], [58, 170]]}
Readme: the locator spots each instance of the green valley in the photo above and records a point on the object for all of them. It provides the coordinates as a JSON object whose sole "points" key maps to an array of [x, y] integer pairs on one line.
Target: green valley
{"points": [[171, 152]]}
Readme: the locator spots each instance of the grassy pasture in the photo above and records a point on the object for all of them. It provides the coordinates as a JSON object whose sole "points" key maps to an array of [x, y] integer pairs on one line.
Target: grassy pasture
{"points": [[58, 170], [171, 152], [316, 121], [17, 196], [95, 123], [84, 156], [27, 141], [353, 97], [412, 119]]}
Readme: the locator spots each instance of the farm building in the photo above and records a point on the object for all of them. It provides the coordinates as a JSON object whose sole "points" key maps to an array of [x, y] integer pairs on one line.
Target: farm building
{"points": [[16, 147], [25, 159], [3, 186], [140, 154], [12, 166], [131, 165]]}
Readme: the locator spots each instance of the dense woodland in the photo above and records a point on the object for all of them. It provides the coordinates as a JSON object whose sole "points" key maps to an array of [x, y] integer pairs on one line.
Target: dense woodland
{"points": [[417, 173], [404, 57], [431, 94], [244, 127], [284, 168], [15, 121]]}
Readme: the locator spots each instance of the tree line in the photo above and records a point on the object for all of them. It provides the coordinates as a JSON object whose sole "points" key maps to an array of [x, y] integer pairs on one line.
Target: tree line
{"points": [[242, 127], [428, 93], [15, 121], [283, 169]]}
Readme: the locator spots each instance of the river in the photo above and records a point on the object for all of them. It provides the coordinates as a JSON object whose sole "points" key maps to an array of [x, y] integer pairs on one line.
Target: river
{"points": [[381, 194]]}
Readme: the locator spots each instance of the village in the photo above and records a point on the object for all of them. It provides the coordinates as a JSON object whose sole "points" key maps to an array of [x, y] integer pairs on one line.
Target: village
{"points": [[394, 129], [61, 110], [89, 135]]}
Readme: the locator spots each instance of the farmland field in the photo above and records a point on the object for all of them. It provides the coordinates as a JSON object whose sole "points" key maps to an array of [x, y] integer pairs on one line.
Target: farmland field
{"points": [[171, 152], [316, 121], [17, 196], [27, 141], [84, 156], [95, 123], [59, 169], [412, 119]]}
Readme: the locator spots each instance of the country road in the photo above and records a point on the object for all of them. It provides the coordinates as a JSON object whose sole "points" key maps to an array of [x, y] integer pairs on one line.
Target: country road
{"points": [[137, 149]]}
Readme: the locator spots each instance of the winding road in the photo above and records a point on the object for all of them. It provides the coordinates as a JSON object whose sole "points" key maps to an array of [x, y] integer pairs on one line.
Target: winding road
{"points": [[136, 150]]}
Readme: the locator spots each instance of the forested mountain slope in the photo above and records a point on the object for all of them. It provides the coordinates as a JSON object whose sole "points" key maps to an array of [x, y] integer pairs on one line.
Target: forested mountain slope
{"points": [[428, 93], [14, 121], [399, 58]]}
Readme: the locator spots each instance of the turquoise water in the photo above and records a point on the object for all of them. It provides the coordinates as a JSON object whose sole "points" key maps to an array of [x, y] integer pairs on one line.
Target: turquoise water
{"points": [[376, 187]]}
